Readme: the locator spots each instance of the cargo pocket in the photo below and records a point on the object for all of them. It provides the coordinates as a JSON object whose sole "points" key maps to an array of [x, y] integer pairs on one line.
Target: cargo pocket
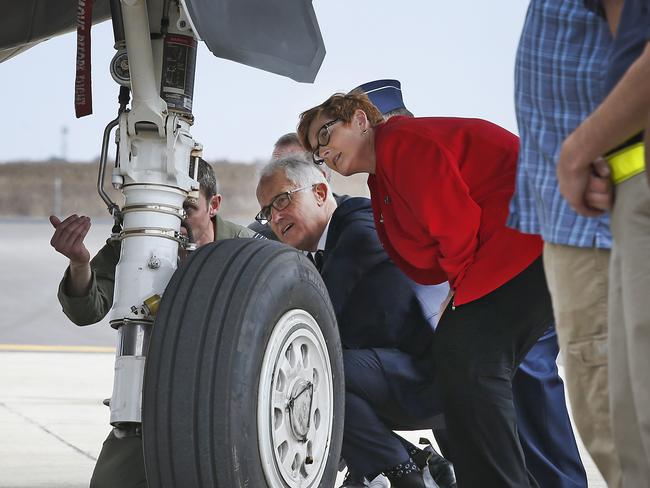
{"points": [[588, 352]]}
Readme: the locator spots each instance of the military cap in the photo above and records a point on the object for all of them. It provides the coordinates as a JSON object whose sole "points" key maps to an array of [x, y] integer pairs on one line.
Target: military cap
{"points": [[386, 95]]}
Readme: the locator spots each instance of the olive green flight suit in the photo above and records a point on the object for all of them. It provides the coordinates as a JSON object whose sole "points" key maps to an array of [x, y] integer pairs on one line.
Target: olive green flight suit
{"points": [[121, 460]]}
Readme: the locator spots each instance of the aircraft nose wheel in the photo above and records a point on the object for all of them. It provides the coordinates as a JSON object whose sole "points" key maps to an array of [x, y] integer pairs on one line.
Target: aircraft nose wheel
{"points": [[299, 408], [244, 375], [295, 406]]}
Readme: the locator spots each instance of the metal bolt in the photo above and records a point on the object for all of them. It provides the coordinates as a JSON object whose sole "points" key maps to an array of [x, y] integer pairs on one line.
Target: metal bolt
{"points": [[154, 262]]}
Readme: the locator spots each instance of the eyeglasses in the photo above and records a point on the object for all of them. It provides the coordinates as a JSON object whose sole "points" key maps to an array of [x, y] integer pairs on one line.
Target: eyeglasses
{"points": [[322, 139], [279, 202]]}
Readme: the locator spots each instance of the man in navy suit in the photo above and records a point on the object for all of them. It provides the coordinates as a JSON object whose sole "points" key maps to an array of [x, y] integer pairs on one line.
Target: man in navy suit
{"points": [[543, 422], [386, 337]]}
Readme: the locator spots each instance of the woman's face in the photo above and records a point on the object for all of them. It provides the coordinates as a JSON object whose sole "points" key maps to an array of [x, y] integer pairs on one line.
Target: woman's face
{"points": [[346, 145]]}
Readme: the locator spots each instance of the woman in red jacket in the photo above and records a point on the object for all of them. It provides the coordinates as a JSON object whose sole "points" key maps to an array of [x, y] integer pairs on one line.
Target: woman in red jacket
{"points": [[440, 189]]}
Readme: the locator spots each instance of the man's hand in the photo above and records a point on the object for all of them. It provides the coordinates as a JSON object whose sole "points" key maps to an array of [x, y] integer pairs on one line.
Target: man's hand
{"points": [[600, 190], [68, 239], [573, 175]]}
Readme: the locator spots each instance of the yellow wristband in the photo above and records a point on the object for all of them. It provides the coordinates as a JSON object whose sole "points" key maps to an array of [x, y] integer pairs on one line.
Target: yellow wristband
{"points": [[627, 162]]}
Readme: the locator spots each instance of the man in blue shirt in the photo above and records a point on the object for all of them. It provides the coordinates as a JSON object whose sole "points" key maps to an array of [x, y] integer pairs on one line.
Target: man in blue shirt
{"points": [[560, 60], [614, 130]]}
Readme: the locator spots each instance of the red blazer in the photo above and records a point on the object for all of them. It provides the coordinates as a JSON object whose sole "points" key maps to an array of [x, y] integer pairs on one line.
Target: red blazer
{"points": [[440, 196]]}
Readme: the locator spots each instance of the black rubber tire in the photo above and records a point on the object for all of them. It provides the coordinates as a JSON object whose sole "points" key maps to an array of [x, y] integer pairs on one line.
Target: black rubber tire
{"points": [[205, 356]]}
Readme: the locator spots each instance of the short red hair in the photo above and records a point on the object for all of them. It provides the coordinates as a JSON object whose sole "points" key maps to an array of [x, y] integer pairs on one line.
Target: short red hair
{"points": [[338, 106]]}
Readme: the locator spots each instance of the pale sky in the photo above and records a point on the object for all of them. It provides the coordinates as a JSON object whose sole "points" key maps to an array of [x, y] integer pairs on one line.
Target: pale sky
{"points": [[454, 58]]}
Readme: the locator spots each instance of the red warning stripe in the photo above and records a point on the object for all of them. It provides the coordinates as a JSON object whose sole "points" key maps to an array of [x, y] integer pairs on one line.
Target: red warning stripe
{"points": [[83, 97]]}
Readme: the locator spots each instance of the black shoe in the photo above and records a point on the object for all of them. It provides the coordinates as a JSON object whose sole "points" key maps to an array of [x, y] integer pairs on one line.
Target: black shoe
{"points": [[412, 480], [441, 470]]}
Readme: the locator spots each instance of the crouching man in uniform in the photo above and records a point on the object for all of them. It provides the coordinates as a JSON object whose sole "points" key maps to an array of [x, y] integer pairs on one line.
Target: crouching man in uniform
{"points": [[386, 337], [86, 295]]}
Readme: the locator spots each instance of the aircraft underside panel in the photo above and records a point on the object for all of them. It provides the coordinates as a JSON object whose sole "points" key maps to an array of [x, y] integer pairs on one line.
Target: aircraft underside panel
{"points": [[279, 36], [25, 23]]}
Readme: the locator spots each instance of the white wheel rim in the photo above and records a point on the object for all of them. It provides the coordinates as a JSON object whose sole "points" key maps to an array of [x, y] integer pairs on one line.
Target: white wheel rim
{"points": [[291, 435]]}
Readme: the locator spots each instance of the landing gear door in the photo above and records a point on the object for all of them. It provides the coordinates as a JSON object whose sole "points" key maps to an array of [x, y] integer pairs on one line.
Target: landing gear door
{"points": [[25, 23], [280, 36]]}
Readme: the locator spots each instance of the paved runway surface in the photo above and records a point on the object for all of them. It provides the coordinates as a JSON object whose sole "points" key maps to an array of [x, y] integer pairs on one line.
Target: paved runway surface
{"points": [[52, 421], [31, 271]]}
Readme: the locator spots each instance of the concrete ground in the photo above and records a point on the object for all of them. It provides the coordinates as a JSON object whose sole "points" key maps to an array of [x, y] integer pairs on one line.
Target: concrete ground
{"points": [[54, 375], [53, 422], [52, 419]]}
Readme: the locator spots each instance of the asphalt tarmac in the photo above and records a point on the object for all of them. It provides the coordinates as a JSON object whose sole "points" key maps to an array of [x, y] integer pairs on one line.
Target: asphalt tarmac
{"points": [[54, 375], [31, 271]]}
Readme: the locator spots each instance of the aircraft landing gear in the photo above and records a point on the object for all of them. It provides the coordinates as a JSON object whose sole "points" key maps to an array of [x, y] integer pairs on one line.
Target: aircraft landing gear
{"points": [[244, 376]]}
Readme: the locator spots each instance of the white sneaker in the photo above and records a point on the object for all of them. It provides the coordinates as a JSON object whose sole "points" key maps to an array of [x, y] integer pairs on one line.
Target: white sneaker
{"points": [[379, 482]]}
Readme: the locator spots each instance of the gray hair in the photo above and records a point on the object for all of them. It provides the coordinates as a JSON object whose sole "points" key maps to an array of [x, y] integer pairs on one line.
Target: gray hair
{"points": [[296, 169], [290, 139]]}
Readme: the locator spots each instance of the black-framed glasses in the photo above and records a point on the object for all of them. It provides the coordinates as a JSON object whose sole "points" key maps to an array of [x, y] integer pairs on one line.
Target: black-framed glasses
{"points": [[322, 139], [279, 202]]}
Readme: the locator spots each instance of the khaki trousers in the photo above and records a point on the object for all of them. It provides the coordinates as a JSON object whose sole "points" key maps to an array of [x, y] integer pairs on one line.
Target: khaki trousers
{"points": [[629, 342], [578, 280]]}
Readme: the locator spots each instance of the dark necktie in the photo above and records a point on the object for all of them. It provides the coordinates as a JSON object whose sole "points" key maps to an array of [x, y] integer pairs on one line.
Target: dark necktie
{"points": [[317, 258]]}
